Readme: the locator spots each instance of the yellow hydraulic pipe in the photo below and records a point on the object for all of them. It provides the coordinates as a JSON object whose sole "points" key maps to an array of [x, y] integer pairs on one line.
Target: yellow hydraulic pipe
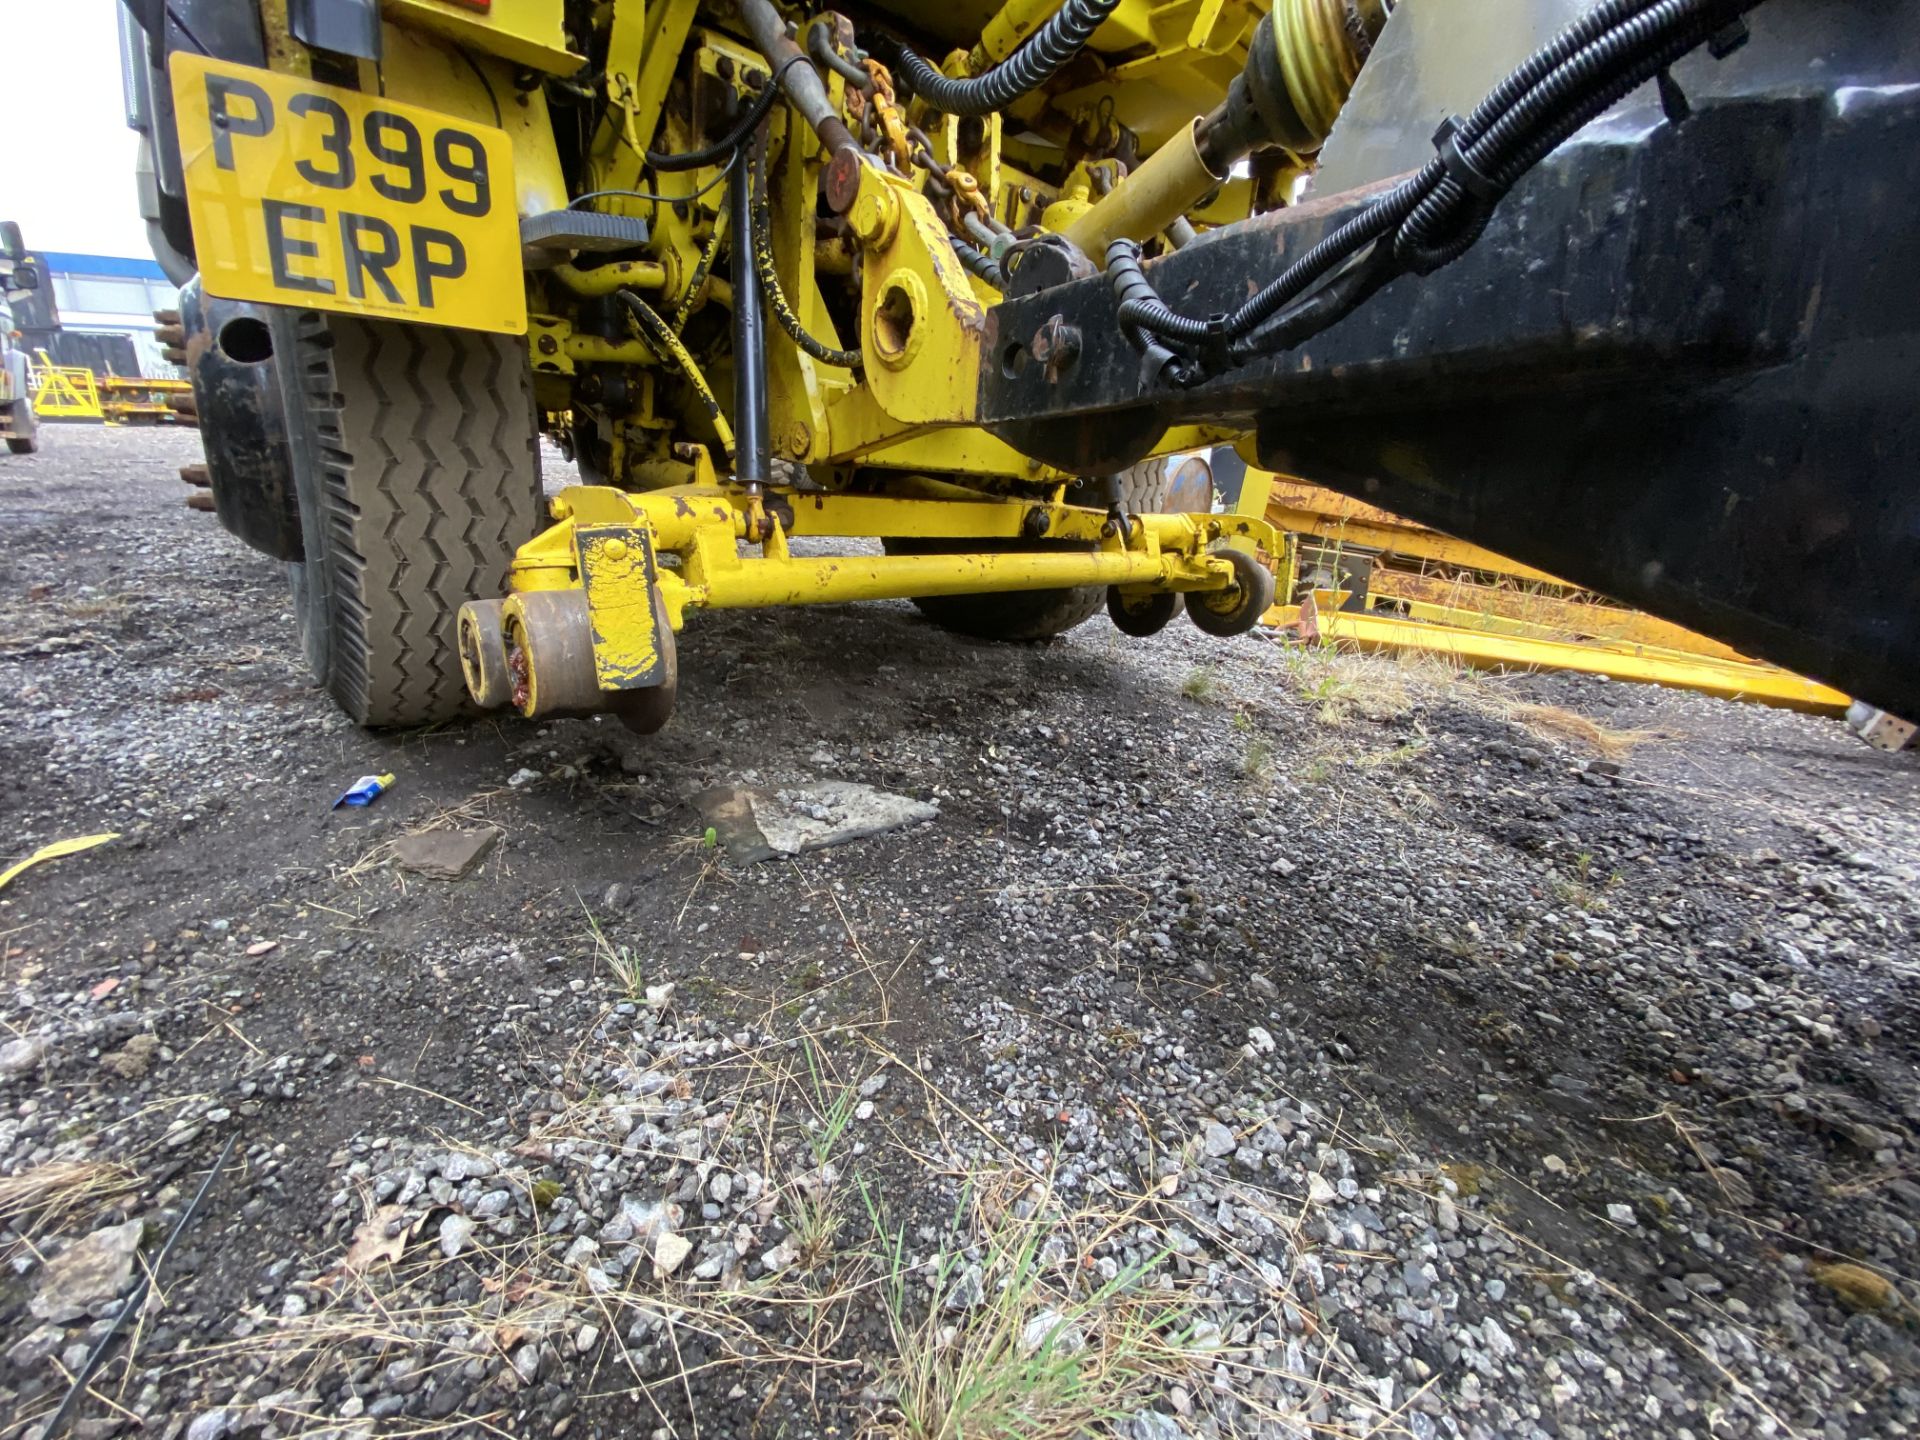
{"points": [[1173, 180], [620, 275], [598, 350]]}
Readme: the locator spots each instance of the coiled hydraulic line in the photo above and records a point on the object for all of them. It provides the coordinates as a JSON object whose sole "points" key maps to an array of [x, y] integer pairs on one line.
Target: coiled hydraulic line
{"points": [[1432, 218], [1063, 36], [761, 242]]}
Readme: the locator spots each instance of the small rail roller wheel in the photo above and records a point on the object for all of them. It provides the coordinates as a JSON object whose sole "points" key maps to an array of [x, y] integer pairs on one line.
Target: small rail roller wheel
{"points": [[483, 654], [1143, 615], [1238, 608], [549, 647]]}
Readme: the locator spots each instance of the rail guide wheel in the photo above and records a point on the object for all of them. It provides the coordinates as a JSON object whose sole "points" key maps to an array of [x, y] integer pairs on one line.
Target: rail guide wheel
{"points": [[1238, 608], [1143, 615]]}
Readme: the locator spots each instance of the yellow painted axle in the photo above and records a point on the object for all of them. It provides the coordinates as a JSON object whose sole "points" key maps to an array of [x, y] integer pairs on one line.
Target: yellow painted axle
{"points": [[596, 600]]}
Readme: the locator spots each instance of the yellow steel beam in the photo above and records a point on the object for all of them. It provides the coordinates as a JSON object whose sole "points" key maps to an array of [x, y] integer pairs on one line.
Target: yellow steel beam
{"points": [[528, 32], [704, 525], [1304, 509], [1576, 619], [920, 323], [838, 579], [677, 514], [1413, 543], [1320, 618]]}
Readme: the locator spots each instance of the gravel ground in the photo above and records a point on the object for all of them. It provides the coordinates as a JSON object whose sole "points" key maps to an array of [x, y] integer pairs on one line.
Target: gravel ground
{"points": [[1257, 1043]]}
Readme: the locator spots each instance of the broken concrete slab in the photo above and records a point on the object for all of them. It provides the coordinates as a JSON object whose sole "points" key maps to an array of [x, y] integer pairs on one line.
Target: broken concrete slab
{"points": [[758, 824], [89, 1272], [444, 854]]}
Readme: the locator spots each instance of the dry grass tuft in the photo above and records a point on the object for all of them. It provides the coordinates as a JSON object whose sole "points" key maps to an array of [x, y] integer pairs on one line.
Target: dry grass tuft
{"points": [[1342, 685], [991, 1339], [1552, 722], [52, 1196]]}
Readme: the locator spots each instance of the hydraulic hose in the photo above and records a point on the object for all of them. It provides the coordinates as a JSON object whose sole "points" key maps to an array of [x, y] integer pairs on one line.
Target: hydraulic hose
{"points": [[726, 144], [761, 243], [794, 73], [1063, 36], [701, 270], [668, 344], [977, 262], [1434, 216]]}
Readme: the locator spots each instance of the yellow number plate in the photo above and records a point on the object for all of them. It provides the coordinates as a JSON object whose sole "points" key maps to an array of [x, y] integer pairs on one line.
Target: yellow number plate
{"points": [[305, 194]]}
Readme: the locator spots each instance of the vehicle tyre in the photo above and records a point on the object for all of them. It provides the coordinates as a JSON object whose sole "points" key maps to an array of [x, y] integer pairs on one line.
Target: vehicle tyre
{"points": [[1029, 614], [22, 445], [418, 470]]}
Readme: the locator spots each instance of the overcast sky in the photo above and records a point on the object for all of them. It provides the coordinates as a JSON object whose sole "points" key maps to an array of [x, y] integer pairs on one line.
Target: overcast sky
{"points": [[66, 155]]}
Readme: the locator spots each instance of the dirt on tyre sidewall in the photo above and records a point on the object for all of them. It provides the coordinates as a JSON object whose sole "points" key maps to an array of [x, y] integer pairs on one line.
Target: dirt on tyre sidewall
{"points": [[422, 476]]}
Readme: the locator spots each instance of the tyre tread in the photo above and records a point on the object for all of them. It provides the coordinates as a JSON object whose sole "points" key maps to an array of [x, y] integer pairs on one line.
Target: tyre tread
{"points": [[428, 477]]}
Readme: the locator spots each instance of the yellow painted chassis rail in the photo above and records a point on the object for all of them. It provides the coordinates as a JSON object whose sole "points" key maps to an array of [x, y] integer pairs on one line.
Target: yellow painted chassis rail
{"points": [[1472, 645]]}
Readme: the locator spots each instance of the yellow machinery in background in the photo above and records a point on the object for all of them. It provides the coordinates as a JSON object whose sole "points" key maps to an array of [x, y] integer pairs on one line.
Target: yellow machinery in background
{"points": [[65, 392], [138, 400]]}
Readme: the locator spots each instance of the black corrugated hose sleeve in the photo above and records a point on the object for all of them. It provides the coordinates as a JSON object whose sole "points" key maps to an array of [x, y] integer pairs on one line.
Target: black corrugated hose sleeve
{"points": [[762, 242], [977, 262], [1063, 36]]}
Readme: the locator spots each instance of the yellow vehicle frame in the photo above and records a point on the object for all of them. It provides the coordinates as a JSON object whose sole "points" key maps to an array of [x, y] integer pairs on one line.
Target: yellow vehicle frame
{"points": [[890, 448], [594, 602], [1465, 639], [127, 400]]}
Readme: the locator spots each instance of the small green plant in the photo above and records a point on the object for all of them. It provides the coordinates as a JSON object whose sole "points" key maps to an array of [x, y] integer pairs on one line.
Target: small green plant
{"points": [[833, 1112], [813, 1220], [1580, 892], [987, 1344], [813, 1210], [1200, 683], [1242, 722], [711, 839], [626, 967], [1256, 763]]}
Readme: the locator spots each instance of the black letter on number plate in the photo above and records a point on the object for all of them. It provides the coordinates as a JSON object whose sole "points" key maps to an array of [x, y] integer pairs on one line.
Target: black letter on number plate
{"points": [[427, 268], [364, 262], [281, 245], [220, 91]]}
